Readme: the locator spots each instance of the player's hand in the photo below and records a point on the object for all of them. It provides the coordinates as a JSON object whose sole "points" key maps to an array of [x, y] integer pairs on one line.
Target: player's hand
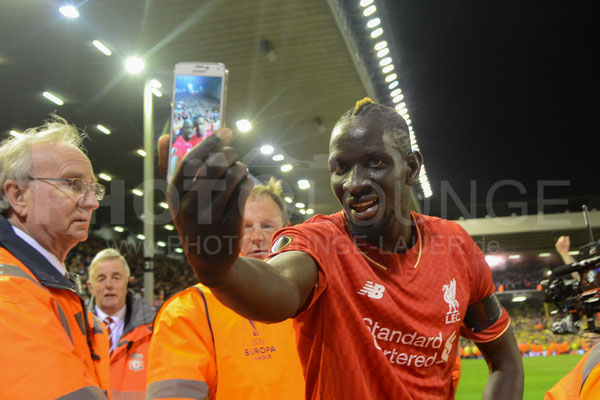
{"points": [[206, 197], [562, 245]]}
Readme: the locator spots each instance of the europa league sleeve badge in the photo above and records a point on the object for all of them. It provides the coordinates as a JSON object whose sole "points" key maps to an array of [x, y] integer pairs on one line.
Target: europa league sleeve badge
{"points": [[281, 243]]}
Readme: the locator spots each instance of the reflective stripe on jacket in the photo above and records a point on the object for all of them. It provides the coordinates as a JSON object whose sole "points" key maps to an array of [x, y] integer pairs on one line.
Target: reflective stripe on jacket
{"points": [[52, 347], [582, 382], [129, 361], [202, 350]]}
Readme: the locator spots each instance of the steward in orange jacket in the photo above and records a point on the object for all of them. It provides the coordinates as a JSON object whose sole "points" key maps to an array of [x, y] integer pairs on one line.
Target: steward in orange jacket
{"points": [[129, 361], [52, 347], [200, 349], [583, 382]]}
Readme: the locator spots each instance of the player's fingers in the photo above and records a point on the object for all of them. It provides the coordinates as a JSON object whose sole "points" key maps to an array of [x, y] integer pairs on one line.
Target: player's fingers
{"points": [[217, 163], [211, 144], [163, 153], [205, 176], [235, 176], [234, 213], [195, 158], [213, 204]]}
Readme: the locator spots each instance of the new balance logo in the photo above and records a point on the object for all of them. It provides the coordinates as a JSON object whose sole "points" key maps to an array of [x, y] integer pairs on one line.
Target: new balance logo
{"points": [[373, 290]]}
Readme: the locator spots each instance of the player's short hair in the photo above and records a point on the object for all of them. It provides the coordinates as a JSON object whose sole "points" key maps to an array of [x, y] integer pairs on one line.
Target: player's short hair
{"points": [[391, 120], [273, 190], [15, 151], [104, 255]]}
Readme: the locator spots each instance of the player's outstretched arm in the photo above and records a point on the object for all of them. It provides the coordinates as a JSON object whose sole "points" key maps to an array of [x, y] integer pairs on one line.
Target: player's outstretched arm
{"points": [[269, 292], [206, 197], [506, 367]]}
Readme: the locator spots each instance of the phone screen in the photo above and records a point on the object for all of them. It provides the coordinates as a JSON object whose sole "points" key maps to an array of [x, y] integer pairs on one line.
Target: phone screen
{"points": [[196, 114]]}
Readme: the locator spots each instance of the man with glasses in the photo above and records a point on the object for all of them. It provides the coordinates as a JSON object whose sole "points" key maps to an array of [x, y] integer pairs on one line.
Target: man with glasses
{"points": [[52, 346]]}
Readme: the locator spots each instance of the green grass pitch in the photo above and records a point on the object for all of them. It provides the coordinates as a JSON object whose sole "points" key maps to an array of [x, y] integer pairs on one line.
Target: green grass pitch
{"points": [[541, 373]]}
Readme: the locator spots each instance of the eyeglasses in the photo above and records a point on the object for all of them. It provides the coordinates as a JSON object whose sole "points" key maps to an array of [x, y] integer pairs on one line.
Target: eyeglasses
{"points": [[78, 186]]}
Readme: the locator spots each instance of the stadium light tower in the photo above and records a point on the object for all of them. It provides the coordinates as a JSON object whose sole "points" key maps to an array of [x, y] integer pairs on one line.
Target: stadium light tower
{"points": [[148, 192]]}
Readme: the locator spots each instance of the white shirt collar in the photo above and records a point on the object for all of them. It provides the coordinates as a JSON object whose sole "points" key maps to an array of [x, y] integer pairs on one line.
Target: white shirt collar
{"points": [[52, 259], [117, 318]]}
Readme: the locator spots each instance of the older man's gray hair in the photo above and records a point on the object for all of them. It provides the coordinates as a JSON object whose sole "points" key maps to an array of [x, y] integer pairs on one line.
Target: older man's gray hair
{"points": [[15, 151]]}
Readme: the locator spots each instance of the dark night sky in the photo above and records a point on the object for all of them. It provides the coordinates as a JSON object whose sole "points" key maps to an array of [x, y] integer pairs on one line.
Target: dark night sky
{"points": [[504, 91]]}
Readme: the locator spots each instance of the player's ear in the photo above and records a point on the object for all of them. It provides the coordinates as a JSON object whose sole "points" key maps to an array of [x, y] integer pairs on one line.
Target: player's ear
{"points": [[413, 161]]}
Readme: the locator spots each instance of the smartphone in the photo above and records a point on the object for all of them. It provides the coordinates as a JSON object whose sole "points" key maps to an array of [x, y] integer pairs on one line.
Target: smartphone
{"points": [[198, 107]]}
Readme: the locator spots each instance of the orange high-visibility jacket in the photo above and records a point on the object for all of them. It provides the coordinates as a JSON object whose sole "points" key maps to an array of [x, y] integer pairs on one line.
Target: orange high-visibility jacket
{"points": [[52, 347], [583, 382], [129, 361], [202, 350]]}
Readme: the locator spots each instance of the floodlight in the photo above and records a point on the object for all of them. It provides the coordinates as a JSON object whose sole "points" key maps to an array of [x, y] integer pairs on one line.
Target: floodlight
{"points": [[243, 125], [134, 65]]}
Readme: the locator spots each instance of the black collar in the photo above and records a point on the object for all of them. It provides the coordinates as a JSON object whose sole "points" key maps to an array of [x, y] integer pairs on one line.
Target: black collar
{"points": [[45, 272]]}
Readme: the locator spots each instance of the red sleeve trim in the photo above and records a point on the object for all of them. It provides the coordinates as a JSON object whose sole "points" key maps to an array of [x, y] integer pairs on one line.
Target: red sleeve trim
{"points": [[495, 337]]}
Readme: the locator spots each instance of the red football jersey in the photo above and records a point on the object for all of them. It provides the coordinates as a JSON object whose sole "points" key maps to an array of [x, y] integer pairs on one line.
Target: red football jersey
{"points": [[181, 146], [385, 325]]}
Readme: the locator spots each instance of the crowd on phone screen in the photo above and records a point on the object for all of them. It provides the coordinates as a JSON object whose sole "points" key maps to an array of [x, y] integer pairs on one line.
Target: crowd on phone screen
{"points": [[199, 110]]}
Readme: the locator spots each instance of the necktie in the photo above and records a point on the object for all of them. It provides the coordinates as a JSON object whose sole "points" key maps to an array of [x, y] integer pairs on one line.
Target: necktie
{"points": [[108, 321]]}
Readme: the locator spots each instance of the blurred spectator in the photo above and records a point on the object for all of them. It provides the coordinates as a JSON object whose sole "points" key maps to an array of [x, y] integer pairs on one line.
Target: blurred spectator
{"points": [[563, 245], [171, 275], [128, 320], [519, 275]]}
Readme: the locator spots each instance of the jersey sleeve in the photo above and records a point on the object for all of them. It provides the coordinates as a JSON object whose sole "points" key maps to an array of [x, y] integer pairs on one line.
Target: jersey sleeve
{"points": [[181, 359], [178, 148], [309, 239], [38, 357], [481, 286]]}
